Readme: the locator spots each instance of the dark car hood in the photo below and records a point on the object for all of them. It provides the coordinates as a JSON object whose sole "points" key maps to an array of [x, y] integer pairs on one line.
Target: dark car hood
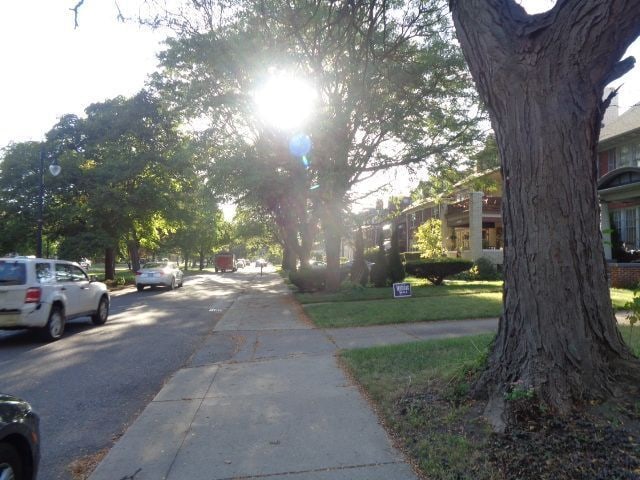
{"points": [[12, 408]]}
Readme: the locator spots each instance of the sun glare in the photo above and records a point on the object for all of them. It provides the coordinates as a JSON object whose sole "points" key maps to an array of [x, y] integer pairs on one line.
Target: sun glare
{"points": [[285, 101]]}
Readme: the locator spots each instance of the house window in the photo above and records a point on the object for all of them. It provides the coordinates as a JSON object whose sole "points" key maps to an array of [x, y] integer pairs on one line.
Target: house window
{"points": [[611, 155], [629, 236], [626, 224], [628, 156]]}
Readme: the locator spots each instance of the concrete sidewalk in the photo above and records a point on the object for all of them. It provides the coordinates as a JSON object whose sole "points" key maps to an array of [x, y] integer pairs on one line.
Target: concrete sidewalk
{"points": [[265, 398]]}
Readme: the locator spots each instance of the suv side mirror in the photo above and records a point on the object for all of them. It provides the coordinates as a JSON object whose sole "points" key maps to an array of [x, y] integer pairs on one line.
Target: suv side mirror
{"points": [[93, 278]]}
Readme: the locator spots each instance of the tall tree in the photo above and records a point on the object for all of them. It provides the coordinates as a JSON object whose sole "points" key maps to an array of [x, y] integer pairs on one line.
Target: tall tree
{"points": [[542, 78], [19, 194], [393, 88], [125, 166], [16, 181]]}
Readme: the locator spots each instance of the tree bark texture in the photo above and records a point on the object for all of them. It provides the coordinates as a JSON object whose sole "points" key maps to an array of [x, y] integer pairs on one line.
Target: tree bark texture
{"points": [[542, 79], [110, 263], [134, 252], [201, 260], [288, 258], [332, 229]]}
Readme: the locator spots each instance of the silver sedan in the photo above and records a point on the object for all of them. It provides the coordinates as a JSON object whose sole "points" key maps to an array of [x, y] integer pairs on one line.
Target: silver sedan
{"points": [[154, 274]]}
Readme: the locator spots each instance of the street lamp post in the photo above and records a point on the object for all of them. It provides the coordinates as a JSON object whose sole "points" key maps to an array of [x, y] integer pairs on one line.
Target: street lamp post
{"points": [[55, 169]]}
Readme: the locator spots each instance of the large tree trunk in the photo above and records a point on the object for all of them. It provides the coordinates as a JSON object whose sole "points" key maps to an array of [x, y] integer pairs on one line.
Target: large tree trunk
{"points": [[110, 264], [134, 253], [201, 265], [288, 258], [332, 229], [542, 79]]}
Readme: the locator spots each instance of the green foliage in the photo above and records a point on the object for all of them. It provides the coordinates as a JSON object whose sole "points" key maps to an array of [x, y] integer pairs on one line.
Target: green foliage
{"points": [[308, 279], [371, 254], [19, 193], [484, 269], [436, 270], [429, 238], [633, 307], [396, 268], [359, 273], [486, 159], [349, 288], [127, 173], [518, 391], [372, 67]]}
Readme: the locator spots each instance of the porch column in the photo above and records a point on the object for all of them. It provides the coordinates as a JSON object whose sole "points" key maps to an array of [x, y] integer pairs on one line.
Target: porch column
{"points": [[475, 225], [605, 229]]}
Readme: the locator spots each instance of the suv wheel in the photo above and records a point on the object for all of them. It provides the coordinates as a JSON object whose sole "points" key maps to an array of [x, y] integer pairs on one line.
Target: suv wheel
{"points": [[10, 464], [140, 287], [172, 285], [55, 325], [100, 317]]}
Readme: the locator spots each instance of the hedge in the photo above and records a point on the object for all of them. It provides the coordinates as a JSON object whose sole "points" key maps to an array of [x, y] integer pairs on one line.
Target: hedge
{"points": [[436, 270], [309, 279]]}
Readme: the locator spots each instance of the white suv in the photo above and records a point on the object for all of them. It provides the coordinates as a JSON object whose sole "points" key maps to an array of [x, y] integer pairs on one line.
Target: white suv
{"points": [[43, 294]]}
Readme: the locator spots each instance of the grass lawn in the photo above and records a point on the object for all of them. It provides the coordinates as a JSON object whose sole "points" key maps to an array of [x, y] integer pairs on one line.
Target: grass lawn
{"points": [[419, 288], [454, 300], [620, 296], [420, 391], [417, 309]]}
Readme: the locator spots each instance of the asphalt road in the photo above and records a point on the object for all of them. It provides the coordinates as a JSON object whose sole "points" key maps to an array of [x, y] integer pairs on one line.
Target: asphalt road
{"points": [[90, 385]]}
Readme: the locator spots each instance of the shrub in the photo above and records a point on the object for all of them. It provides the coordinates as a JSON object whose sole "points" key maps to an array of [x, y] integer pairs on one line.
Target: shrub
{"points": [[436, 270], [379, 270], [429, 238], [484, 269], [309, 279], [347, 286], [396, 268]]}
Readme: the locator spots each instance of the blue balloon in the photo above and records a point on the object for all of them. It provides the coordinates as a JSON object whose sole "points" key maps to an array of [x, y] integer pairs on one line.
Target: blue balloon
{"points": [[300, 145]]}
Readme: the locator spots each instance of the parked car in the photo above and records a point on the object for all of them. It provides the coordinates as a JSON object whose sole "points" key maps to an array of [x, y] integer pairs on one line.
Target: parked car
{"points": [[240, 263], [155, 274], [19, 439], [43, 294], [317, 264], [85, 263]]}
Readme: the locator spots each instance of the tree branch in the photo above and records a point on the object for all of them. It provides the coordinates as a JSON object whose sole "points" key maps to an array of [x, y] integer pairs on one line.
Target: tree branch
{"points": [[75, 13], [620, 68]]}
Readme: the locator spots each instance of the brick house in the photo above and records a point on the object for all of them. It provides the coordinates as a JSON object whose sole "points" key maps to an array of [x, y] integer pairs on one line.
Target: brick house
{"points": [[471, 217], [619, 193]]}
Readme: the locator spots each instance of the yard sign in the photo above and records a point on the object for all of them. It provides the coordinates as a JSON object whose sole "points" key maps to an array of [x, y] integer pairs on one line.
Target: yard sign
{"points": [[401, 290]]}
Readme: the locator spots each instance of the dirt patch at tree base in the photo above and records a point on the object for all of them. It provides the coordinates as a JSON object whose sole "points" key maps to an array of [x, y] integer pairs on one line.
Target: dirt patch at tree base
{"points": [[592, 443], [448, 439]]}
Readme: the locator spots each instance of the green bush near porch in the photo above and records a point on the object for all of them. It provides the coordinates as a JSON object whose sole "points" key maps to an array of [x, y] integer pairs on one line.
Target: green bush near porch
{"points": [[437, 269]]}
